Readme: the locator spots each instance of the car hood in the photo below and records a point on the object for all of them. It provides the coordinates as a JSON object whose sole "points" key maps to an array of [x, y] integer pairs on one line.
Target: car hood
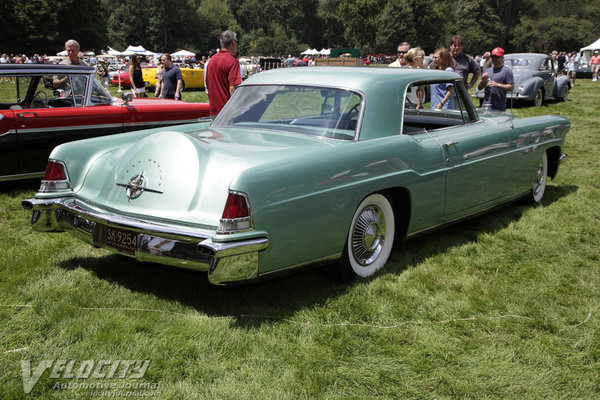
{"points": [[187, 174]]}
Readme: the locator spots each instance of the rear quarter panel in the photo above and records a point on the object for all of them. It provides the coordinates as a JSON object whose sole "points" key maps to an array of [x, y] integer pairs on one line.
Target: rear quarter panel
{"points": [[306, 204]]}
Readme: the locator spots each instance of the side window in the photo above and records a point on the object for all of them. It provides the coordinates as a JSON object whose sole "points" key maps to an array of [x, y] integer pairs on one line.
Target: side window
{"points": [[99, 95], [77, 87], [444, 104], [43, 93], [11, 93]]}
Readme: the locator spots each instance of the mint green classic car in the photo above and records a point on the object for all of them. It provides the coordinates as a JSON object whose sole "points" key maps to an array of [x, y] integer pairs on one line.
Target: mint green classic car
{"points": [[302, 166]]}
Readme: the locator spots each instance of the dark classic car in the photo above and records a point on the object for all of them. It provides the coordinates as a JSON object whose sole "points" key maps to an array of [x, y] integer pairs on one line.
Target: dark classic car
{"points": [[535, 79], [302, 166], [35, 116]]}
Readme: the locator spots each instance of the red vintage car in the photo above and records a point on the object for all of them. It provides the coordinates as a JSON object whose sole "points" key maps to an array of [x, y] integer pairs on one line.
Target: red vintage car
{"points": [[36, 114]]}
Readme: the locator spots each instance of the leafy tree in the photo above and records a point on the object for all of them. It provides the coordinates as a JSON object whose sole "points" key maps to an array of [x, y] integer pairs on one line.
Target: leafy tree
{"points": [[215, 17]]}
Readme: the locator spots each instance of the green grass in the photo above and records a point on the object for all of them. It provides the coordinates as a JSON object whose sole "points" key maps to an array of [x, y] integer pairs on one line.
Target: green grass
{"points": [[505, 306]]}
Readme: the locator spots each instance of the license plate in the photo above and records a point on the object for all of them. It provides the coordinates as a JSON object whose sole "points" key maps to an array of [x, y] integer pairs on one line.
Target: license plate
{"points": [[121, 239]]}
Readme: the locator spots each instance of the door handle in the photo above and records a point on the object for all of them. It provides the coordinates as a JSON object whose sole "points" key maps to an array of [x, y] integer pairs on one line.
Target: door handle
{"points": [[449, 144], [28, 113]]}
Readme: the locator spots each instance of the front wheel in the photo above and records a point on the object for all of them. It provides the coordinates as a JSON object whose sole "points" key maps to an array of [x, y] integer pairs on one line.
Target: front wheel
{"points": [[539, 183], [370, 239]]}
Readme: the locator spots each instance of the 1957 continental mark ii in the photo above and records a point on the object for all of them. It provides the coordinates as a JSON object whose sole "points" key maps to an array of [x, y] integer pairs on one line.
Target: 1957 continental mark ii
{"points": [[301, 166]]}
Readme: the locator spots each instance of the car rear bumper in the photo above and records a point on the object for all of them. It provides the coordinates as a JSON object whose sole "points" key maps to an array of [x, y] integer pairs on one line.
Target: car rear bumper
{"points": [[225, 262]]}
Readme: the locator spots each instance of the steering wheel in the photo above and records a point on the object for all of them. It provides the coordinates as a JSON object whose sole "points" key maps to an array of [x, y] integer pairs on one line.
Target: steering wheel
{"points": [[352, 114], [41, 97]]}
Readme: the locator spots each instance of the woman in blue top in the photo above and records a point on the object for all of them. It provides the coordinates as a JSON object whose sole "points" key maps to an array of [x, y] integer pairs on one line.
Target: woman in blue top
{"points": [[442, 94]]}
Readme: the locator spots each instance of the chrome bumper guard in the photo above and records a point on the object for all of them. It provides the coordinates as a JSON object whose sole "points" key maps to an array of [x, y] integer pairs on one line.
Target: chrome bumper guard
{"points": [[225, 262]]}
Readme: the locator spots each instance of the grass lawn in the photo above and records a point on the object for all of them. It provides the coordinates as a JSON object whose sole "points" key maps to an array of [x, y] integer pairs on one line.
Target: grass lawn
{"points": [[505, 306]]}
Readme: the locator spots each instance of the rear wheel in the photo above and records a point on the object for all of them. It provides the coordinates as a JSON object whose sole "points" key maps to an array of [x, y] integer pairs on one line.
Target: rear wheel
{"points": [[539, 98], [370, 239], [565, 94], [539, 183]]}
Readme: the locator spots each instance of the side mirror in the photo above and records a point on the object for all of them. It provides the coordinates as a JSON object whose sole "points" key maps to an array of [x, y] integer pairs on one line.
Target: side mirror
{"points": [[127, 97]]}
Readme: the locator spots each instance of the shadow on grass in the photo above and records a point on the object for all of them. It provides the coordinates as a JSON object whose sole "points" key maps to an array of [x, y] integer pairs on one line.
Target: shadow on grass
{"points": [[254, 304]]}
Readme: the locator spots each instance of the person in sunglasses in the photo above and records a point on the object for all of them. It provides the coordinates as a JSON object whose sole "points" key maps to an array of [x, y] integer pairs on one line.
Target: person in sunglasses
{"points": [[401, 60]]}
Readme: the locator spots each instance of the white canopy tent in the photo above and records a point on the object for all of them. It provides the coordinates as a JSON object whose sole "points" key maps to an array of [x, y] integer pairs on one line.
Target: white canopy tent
{"points": [[587, 51], [183, 53], [113, 52], [138, 50], [325, 52], [310, 52]]}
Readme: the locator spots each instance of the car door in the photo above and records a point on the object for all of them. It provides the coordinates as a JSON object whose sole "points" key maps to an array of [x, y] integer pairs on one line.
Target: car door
{"points": [[476, 177], [9, 161], [11, 92], [546, 72], [473, 150], [81, 111]]}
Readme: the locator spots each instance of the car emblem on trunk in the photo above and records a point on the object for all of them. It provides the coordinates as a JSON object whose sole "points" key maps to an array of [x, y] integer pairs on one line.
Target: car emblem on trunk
{"points": [[136, 186]]}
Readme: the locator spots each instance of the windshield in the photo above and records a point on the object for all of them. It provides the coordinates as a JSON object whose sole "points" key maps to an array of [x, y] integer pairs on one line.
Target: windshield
{"points": [[306, 110]]}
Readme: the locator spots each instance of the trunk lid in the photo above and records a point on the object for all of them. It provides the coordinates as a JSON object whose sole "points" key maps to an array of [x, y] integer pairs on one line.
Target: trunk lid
{"points": [[185, 175]]}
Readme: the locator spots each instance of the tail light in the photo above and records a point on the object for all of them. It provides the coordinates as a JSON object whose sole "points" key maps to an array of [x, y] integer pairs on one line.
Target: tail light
{"points": [[55, 177], [236, 215]]}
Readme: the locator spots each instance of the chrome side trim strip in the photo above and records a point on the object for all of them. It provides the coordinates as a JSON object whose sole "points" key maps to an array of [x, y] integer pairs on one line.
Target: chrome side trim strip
{"points": [[15, 177], [161, 123], [69, 128]]}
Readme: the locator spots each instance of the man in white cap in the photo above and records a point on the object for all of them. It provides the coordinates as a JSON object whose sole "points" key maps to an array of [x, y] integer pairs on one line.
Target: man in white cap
{"points": [[497, 80]]}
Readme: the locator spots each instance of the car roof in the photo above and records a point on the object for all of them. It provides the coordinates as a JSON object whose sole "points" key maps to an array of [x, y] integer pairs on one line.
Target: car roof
{"points": [[382, 89], [364, 79], [526, 55], [46, 69]]}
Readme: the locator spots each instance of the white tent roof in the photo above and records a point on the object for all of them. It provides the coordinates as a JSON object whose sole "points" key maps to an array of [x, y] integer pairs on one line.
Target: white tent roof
{"points": [[592, 47], [113, 52], [310, 52], [325, 52], [62, 53], [183, 53], [137, 50], [588, 50]]}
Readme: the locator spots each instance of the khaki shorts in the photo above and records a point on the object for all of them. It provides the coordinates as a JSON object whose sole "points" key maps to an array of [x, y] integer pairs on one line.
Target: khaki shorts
{"points": [[595, 68]]}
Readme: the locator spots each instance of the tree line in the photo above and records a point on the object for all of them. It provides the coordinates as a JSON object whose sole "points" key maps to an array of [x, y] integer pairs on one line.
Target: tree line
{"points": [[281, 27]]}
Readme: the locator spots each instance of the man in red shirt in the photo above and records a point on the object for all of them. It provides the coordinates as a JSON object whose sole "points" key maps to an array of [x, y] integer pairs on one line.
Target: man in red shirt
{"points": [[223, 73], [595, 64]]}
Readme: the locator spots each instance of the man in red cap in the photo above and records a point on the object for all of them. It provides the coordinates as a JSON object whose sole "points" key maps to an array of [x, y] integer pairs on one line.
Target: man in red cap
{"points": [[497, 80]]}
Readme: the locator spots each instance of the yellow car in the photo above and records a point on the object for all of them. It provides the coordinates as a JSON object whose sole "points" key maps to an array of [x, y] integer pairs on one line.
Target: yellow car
{"points": [[192, 78]]}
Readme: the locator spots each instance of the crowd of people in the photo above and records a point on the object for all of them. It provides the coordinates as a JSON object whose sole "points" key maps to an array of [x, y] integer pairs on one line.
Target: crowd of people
{"points": [[223, 73]]}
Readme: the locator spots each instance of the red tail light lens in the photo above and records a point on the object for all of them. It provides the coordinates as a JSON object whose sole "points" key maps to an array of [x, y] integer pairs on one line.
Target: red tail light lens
{"points": [[55, 171], [236, 207], [55, 177], [236, 215]]}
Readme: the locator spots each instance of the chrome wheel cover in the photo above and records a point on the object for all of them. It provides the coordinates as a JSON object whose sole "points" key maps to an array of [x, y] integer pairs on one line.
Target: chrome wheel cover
{"points": [[368, 235], [541, 177], [539, 98]]}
